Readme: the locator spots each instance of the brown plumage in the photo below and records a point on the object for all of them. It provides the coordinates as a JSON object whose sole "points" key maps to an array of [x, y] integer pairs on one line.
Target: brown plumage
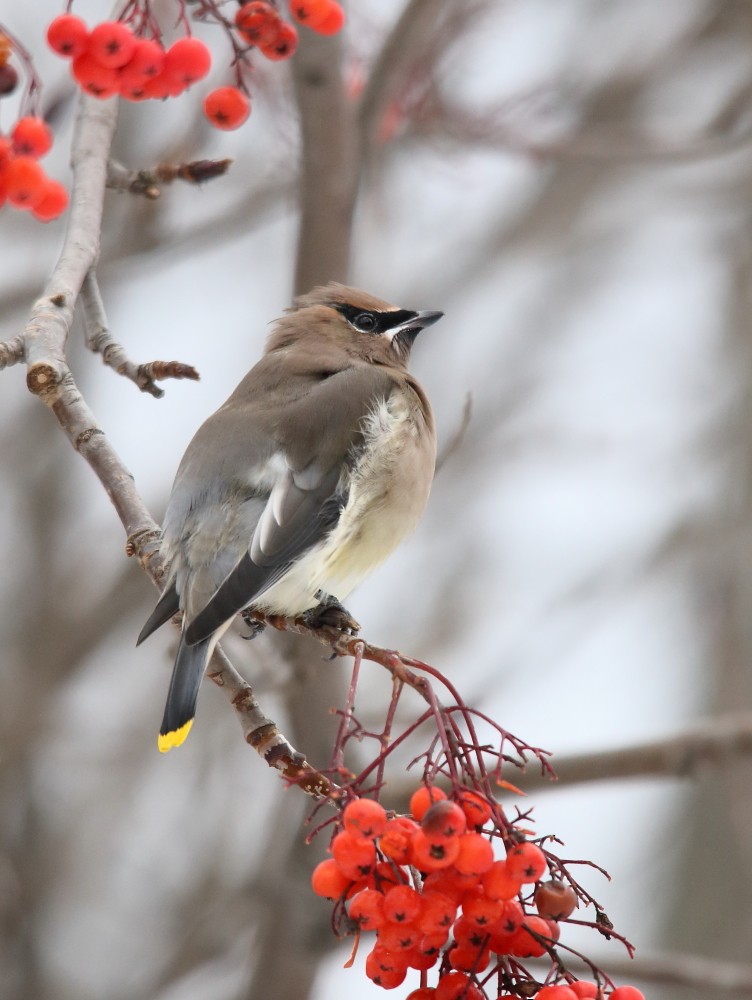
{"points": [[315, 468]]}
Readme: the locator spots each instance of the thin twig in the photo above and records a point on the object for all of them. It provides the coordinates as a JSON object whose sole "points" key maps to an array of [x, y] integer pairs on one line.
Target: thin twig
{"points": [[99, 340], [455, 441], [710, 744]]}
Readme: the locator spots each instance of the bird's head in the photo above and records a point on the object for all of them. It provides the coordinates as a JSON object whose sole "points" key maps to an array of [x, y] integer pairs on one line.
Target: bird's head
{"points": [[354, 321]]}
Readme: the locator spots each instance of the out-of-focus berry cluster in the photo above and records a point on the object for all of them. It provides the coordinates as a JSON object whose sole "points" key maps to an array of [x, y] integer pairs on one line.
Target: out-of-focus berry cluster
{"points": [[431, 889], [128, 57], [24, 184]]}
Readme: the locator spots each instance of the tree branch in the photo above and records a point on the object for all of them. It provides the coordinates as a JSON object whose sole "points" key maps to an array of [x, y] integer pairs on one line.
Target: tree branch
{"points": [[710, 744], [710, 976]]}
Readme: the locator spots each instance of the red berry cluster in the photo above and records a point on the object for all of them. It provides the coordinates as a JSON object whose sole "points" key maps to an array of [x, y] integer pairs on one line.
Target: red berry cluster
{"points": [[111, 60], [23, 181], [259, 23], [465, 908]]}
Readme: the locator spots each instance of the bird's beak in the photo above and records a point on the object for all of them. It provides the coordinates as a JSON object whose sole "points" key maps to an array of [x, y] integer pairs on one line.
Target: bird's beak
{"points": [[412, 327]]}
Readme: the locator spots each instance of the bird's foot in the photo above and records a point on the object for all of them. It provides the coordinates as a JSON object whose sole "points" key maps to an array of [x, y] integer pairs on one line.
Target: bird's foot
{"points": [[329, 613], [256, 627]]}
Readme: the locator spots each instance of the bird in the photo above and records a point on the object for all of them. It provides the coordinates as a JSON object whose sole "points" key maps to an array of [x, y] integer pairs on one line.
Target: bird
{"points": [[310, 474]]}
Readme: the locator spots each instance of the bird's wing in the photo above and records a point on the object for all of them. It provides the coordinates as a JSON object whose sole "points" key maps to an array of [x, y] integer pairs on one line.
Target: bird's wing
{"points": [[167, 606], [324, 433]]}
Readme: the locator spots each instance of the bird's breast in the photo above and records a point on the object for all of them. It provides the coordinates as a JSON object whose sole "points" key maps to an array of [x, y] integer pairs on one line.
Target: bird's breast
{"points": [[388, 489]]}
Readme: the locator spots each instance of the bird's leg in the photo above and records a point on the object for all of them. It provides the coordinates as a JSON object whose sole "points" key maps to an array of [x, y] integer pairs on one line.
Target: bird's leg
{"points": [[329, 612], [256, 627]]}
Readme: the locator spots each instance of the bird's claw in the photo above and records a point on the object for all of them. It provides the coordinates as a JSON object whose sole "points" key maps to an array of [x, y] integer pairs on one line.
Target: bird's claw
{"points": [[329, 613]]}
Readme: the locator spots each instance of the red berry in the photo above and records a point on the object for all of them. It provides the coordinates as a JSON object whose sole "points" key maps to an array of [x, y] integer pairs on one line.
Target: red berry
{"points": [[365, 818], [112, 44], [467, 959], [482, 912], [283, 45], [328, 881], [258, 22], [423, 993], [498, 883], [93, 77], [584, 991], [145, 64], [333, 21], [424, 798], [399, 938], [227, 108], [395, 841], [475, 856], [429, 857], [8, 79], [54, 202], [385, 970], [457, 986], [437, 912], [186, 61], [367, 909], [68, 35], [477, 811], [526, 943], [356, 857], [627, 993], [402, 904], [527, 862], [310, 12], [31, 136], [25, 182], [559, 992]]}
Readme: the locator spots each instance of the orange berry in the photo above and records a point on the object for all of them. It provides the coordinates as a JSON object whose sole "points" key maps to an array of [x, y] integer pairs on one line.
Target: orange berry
{"points": [[555, 900], [394, 842], [498, 883], [356, 857], [98, 80], [54, 202], [384, 969], [227, 108], [457, 986], [466, 959], [67, 35], [111, 43], [428, 857], [527, 862], [482, 912], [146, 63], [584, 991], [477, 811], [31, 136], [365, 818], [627, 993], [186, 61], [367, 909], [25, 182], [398, 938], [424, 798], [512, 918], [558, 992], [526, 943], [437, 912], [328, 881], [475, 855], [402, 904], [333, 22]]}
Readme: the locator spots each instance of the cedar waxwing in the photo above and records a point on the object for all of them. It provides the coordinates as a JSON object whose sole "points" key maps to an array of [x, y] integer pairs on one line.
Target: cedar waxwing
{"points": [[307, 478]]}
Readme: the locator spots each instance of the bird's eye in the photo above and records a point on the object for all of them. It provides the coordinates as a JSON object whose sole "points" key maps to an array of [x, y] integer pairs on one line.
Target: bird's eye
{"points": [[365, 322]]}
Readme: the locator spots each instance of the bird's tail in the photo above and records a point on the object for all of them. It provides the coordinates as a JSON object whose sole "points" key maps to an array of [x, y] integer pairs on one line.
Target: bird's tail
{"points": [[180, 709]]}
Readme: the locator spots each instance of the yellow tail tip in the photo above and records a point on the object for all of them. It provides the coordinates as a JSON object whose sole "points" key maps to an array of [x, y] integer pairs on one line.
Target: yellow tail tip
{"points": [[166, 741]]}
